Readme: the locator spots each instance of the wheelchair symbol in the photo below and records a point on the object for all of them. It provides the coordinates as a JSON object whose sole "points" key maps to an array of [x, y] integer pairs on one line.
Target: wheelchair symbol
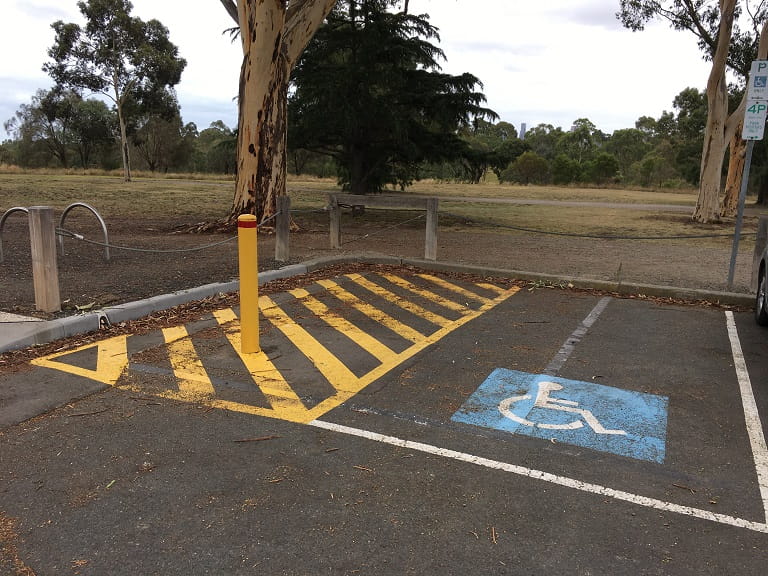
{"points": [[545, 401]]}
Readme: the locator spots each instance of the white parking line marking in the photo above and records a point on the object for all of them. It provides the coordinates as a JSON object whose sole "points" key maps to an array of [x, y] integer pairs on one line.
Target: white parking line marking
{"points": [[751, 414], [544, 476], [567, 348]]}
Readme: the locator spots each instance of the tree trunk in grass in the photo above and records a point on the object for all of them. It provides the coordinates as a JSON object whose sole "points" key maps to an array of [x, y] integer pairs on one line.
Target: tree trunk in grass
{"points": [[736, 161], [730, 129], [273, 35], [713, 25], [736, 164], [715, 140], [124, 150]]}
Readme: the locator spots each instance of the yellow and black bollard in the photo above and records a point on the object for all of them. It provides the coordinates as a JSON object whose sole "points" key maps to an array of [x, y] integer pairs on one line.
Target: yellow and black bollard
{"points": [[249, 283]]}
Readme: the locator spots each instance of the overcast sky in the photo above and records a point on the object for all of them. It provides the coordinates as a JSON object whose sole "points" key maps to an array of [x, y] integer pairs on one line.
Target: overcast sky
{"points": [[549, 61]]}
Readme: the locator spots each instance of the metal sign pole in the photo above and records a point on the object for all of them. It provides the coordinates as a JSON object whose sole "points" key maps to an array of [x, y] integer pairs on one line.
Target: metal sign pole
{"points": [[752, 129], [740, 216]]}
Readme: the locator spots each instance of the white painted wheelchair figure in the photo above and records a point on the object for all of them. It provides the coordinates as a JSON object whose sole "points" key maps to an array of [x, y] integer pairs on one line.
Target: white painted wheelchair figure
{"points": [[545, 401]]}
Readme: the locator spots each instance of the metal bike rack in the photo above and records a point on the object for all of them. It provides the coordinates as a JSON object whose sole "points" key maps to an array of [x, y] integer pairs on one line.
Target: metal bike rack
{"points": [[2, 223], [61, 225], [95, 213]]}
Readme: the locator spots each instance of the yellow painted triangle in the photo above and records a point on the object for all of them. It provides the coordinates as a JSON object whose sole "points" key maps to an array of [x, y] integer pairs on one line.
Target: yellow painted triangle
{"points": [[112, 360]]}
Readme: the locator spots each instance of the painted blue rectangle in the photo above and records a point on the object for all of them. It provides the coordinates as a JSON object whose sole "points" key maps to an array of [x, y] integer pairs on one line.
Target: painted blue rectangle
{"points": [[580, 413]]}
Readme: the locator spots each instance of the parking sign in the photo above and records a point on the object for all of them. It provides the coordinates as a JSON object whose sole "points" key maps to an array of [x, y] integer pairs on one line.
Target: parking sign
{"points": [[757, 101]]}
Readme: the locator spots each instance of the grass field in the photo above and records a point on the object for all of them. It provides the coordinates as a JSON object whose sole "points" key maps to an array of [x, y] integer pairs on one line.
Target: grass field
{"points": [[574, 232], [195, 198]]}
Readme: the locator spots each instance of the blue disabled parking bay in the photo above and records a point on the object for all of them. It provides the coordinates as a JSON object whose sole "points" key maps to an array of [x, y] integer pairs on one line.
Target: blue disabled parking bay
{"points": [[584, 414]]}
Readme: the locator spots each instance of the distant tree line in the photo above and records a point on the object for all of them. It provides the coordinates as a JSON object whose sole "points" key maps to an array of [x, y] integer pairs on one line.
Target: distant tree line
{"points": [[367, 104], [61, 129]]}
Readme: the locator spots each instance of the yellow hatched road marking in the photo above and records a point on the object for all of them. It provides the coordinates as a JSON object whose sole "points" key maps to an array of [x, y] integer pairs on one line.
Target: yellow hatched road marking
{"points": [[334, 370], [187, 366], [372, 312], [492, 287], [454, 288], [111, 361], [398, 301], [263, 372], [411, 287], [365, 340], [354, 387], [112, 355]]}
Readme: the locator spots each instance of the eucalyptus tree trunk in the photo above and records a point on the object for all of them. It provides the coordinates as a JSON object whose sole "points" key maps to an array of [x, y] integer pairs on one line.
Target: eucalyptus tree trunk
{"points": [[273, 35], [260, 118], [736, 161], [715, 140], [124, 150], [738, 146]]}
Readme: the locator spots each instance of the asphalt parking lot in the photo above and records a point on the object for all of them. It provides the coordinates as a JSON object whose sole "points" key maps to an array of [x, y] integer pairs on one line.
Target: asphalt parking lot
{"points": [[396, 424]]}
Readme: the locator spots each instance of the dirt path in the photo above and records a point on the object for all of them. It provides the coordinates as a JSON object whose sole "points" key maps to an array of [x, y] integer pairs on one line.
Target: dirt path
{"points": [[673, 208], [86, 278]]}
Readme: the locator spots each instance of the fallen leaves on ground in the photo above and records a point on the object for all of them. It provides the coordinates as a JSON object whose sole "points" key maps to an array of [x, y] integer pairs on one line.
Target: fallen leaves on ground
{"points": [[18, 359]]}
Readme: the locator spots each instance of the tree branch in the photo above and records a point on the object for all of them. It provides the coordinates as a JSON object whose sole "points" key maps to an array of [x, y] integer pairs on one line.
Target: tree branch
{"points": [[231, 7], [720, 55], [736, 117], [699, 30], [302, 20]]}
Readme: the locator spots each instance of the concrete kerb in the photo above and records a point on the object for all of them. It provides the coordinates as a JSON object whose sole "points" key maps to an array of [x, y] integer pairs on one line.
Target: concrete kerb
{"points": [[623, 288], [38, 333]]}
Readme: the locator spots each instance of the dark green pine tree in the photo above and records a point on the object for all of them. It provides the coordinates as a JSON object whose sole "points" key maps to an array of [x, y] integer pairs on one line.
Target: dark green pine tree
{"points": [[368, 91]]}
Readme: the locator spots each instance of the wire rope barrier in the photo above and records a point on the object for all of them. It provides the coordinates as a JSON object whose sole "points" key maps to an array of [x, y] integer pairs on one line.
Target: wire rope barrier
{"points": [[594, 236], [69, 234], [383, 230], [468, 220]]}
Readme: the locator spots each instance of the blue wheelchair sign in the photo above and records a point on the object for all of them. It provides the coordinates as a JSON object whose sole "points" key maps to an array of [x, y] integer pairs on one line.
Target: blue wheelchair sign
{"points": [[584, 414]]}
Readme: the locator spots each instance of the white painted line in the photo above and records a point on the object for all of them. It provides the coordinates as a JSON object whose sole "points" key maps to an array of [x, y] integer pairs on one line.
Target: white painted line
{"points": [[751, 413], [545, 476], [567, 348]]}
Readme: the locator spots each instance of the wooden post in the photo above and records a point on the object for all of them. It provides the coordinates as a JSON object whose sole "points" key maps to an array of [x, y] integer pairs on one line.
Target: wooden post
{"points": [[45, 272], [760, 242], [283, 229], [335, 225], [386, 202], [430, 242]]}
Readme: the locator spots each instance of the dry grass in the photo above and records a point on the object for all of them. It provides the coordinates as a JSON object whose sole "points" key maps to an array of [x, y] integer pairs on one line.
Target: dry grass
{"points": [[591, 220], [113, 197], [492, 189], [187, 197], [195, 198]]}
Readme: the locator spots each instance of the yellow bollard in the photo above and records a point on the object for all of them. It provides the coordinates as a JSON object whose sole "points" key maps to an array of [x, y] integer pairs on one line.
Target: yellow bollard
{"points": [[249, 283]]}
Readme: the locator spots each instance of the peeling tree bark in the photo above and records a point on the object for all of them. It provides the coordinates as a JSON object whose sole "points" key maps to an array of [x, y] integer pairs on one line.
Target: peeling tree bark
{"points": [[736, 161], [273, 34], [715, 138], [738, 146], [261, 34]]}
